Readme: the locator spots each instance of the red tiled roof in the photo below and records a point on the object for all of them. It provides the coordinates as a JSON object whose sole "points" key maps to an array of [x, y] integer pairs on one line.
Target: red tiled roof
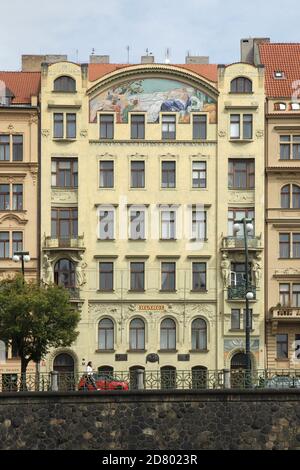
{"points": [[285, 58], [208, 71], [23, 85]]}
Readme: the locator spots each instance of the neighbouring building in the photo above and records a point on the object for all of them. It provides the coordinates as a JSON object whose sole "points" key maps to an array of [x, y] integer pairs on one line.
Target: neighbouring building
{"points": [[282, 255], [145, 168], [19, 221]]}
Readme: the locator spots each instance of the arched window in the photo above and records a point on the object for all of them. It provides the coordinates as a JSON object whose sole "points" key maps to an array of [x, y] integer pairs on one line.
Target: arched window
{"points": [[106, 334], [241, 85], [168, 334], [66, 84], [290, 196], [199, 335], [106, 371], [168, 377], [64, 273], [137, 334], [199, 377]]}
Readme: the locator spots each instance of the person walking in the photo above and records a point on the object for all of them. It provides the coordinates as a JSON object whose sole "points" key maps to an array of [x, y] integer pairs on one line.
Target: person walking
{"points": [[90, 375]]}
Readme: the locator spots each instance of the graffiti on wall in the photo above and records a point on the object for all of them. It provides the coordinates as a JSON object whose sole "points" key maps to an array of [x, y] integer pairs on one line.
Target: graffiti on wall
{"points": [[153, 95]]}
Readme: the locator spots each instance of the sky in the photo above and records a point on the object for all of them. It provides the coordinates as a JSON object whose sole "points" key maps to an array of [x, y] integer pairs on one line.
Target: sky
{"points": [[200, 27]]}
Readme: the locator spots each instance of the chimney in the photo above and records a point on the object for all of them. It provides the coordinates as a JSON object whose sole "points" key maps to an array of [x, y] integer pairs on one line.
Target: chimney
{"points": [[196, 59], [147, 59], [32, 63], [249, 50], [99, 59]]}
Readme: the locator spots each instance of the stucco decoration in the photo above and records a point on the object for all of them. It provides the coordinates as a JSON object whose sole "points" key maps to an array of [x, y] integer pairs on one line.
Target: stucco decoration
{"points": [[225, 269], [47, 270], [259, 133], [83, 133], [287, 272], [58, 195], [222, 134], [45, 133], [81, 272], [239, 343], [241, 196], [256, 268], [153, 95]]}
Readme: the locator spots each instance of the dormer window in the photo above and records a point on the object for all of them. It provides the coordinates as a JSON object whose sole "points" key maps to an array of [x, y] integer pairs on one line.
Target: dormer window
{"points": [[6, 97], [241, 85], [295, 106], [278, 74], [279, 106], [65, 84]]}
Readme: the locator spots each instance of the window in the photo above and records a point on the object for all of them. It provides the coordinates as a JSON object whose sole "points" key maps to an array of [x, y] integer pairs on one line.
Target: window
{"points": [[288, 242], [284, 245], [290, 193], [64, 223], [235, 126], [235, 319], [238, 214], [168, 176], [199, 277], [168, 225], [4, 148], [71, 126], [168, 276], [106, 276], [64, 273], [107, 225], [137, 224], [199, 126], [241, 174], [106, 335], [17, 239], [137, 335], [106, 174], [199, 335], [199, 174], [106, 126], [137, 126], [279, 106], [278, 74], [137, 174], [168, 127], [4, 245], [296, 295], [17, 148], [58, 126], [241, 85], [295, 106], [4, 197], [64, 173], [168, 334], [65, 84], [199, 225], [17, 197], [284, 295], [137, 276], [282, 346], [289, 147], [238, 274]]}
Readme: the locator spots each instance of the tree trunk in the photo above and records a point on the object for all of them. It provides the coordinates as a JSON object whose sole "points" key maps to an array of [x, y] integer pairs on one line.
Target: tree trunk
{"points": [[24, 364]]}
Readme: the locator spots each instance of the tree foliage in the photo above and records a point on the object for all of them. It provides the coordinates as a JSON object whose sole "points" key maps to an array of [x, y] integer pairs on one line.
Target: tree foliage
{"points": [[36, 318]]}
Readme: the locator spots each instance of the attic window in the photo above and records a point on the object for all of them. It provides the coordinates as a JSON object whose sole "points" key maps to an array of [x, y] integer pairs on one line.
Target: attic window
{"points": [[278, 74], [295, 106], [6, 96]]}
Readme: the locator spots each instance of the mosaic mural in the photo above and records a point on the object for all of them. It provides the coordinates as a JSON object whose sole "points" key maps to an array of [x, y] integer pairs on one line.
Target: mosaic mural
{"points": [[153, 95]]}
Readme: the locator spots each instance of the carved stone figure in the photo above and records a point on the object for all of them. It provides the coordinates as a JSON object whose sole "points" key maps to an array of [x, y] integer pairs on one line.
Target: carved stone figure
{"points": [[256, 268], [48, 271], [225, 267], [80, 272]]}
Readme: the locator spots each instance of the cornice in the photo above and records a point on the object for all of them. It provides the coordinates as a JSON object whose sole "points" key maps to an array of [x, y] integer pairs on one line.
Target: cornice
{"points": [[154, 143]]}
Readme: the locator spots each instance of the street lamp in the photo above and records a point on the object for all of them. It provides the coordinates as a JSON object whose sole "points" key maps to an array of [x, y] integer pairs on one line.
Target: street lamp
{"points": [[22, 256], [248, 228]]}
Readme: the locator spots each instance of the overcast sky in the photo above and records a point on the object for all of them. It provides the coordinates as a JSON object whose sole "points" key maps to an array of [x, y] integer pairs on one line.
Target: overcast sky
{"points": [[205, 27]]}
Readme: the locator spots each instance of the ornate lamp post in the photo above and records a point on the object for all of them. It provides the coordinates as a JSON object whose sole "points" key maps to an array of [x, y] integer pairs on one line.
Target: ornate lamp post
{"points": [[248, 228], [22, 256]]}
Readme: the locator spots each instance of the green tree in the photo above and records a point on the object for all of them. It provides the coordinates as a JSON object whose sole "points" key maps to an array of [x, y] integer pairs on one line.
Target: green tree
{"points": [[36, 318]]}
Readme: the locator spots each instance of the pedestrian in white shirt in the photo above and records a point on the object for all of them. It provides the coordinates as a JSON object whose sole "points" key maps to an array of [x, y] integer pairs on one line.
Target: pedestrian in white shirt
{"points": [[90, 376]]}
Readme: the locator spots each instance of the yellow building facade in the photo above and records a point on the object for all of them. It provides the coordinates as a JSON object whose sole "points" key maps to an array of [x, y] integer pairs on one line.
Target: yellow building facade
{"points": [[144, 170]]}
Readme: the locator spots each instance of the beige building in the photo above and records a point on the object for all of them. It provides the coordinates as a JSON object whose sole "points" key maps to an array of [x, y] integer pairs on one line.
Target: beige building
{"points": [[19, 222], [145, 168], [282, 204]]}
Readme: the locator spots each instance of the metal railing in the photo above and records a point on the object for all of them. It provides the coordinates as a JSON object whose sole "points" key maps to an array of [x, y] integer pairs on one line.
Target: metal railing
{"points": [[239, 292], [64, 242], [237, 243], [171, 379]]}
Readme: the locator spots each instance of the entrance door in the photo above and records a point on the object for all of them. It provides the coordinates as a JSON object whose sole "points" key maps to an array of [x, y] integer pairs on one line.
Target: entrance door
{"points": [[238, 370], [64, 365]]}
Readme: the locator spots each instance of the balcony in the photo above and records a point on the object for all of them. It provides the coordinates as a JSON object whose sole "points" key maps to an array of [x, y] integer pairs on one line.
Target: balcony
{"points": [[285, 314], [238, 292], [74, 293], [236, 243], [75, 243]]}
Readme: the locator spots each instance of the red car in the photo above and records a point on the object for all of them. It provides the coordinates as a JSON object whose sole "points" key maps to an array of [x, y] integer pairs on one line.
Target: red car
{"points": [[103, 382]]}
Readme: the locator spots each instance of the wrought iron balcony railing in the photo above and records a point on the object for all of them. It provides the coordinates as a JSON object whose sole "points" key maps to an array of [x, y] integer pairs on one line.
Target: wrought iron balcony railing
{"points": [[238, 292], [64, 242], [237, 243]]}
